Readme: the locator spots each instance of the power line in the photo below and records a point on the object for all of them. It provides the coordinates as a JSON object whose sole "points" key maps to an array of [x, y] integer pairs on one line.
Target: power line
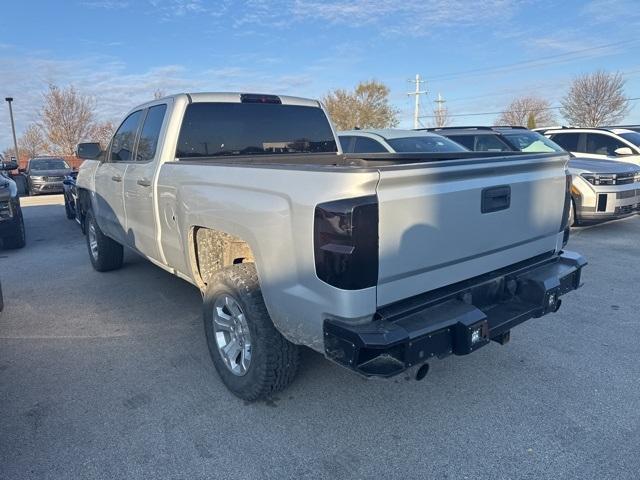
{"points": [[540, 61], [475, 114]]}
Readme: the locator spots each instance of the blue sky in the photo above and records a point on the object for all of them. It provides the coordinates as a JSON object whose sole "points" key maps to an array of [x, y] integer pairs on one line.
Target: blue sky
{"points": [[479, 54]]}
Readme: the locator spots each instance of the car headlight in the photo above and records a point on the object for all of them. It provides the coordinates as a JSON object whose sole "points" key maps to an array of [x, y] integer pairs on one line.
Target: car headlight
{"points": [[37, 178], [600, 178]]}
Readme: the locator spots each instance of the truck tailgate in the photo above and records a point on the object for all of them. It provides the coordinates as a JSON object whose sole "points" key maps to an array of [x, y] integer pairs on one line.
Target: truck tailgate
{"points": [[444, 222]]}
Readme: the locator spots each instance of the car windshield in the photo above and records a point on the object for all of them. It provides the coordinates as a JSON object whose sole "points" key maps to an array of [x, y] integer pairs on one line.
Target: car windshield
{"points": [[426, 144], [532, 142], [49, 164], [633, 137]]}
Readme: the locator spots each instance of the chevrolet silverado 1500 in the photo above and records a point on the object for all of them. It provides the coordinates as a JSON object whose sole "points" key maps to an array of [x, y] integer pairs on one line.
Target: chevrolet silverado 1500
{"points": [[379, 261]]}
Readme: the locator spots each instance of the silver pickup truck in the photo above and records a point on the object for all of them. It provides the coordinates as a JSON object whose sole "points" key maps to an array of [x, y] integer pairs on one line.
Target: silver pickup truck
{"points": [[379, 261]]}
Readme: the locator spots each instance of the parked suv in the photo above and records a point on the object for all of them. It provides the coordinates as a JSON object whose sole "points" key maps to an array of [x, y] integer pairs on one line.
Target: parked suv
{"points": [[608, 143], [11, 223], [46, 174], [600, 189]]}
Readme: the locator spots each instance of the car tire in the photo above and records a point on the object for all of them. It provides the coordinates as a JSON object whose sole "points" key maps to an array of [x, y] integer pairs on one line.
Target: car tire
{"points": [[272, 360], [105, 253], [71, 215], [573, 219], [18, 240]]}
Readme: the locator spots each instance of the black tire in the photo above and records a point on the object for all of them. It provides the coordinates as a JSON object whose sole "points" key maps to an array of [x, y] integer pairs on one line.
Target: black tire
{"points": [[18, 240], [68, 210], [573, 219], [108, 253], [274, 360]]}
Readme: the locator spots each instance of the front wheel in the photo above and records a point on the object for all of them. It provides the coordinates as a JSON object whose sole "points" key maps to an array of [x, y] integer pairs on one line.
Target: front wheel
{"points": [[573, 220], [71, 214], [105, 253], [252, 358], [19, 239]]}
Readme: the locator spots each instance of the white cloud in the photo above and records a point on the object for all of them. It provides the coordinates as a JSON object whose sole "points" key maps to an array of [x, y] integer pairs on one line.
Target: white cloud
{"points": [[116, 89]]}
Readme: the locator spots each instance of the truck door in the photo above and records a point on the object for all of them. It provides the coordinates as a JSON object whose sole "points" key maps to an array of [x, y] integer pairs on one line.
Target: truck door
{"points": [[139, 184], [109, 179]]}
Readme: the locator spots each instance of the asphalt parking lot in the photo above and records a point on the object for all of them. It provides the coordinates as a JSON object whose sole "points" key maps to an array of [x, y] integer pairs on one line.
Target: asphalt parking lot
{"points": [[108, 376]]}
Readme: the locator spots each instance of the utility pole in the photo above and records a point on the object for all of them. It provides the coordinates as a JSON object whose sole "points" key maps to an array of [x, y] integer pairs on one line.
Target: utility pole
{"points": [[13, 129], [440, 111], [417, 93]]}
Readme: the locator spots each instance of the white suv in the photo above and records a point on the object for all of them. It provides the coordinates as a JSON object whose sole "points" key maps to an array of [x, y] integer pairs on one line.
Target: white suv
{"points": [[605, 143]]}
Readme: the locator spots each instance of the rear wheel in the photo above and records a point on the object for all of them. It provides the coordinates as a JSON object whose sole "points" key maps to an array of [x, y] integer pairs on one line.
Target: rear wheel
{"points": [[105, 253], [71, 214], [252, 358]]}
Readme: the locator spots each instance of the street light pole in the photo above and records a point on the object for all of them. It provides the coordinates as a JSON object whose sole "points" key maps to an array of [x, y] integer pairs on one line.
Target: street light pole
{"points": [[13, 129]]}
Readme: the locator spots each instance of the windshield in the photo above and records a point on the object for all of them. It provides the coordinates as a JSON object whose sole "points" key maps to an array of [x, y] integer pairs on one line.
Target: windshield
{"points": [[532, 142], [426, 144], [231, 129], [633, 137], [48, 164]]}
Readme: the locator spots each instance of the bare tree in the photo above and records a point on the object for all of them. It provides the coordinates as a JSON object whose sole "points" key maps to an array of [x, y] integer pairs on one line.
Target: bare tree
{"points": [[366, 107], [527, 111], [66, 118], [596, 99], [101, 133], [32, 142]]}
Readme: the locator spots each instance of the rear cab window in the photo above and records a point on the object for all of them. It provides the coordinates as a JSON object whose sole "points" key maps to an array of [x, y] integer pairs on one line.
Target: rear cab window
{"points": [[211, 129]]}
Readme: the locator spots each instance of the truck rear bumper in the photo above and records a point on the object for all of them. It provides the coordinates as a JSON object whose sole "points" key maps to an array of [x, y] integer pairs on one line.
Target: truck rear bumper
{"points": [[457, 319]]}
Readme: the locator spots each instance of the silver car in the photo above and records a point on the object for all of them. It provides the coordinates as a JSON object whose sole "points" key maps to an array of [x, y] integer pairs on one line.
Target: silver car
{"points": [[603, 189]]}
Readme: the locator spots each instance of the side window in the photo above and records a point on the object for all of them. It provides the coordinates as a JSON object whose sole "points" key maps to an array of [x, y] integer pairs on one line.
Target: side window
{"points": [[600, 144], [368, 145], [490, 143], [150, 133], [346, 144], [568, 141], [467, 141], [124, 139]]}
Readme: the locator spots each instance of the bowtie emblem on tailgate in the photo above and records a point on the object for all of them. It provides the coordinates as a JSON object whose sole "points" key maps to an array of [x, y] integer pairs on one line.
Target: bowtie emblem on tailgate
{"points": [[496, 198]]}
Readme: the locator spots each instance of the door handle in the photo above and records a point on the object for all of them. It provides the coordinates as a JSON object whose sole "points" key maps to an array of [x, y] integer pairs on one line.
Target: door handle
{"points": [[144, 182], [116, 178], [495, 199]]}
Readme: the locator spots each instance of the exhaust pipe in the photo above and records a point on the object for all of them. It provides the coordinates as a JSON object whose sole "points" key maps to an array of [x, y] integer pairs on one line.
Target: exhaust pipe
{"points": [[422, 372]]}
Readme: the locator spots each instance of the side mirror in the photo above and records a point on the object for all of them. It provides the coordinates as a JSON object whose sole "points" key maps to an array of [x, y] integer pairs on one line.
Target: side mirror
{"points": [[622, 151], [88, 151], [8, 165]]}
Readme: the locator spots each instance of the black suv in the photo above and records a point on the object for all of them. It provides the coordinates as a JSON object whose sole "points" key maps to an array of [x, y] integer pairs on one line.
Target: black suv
{"points": [[11, 222]]}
